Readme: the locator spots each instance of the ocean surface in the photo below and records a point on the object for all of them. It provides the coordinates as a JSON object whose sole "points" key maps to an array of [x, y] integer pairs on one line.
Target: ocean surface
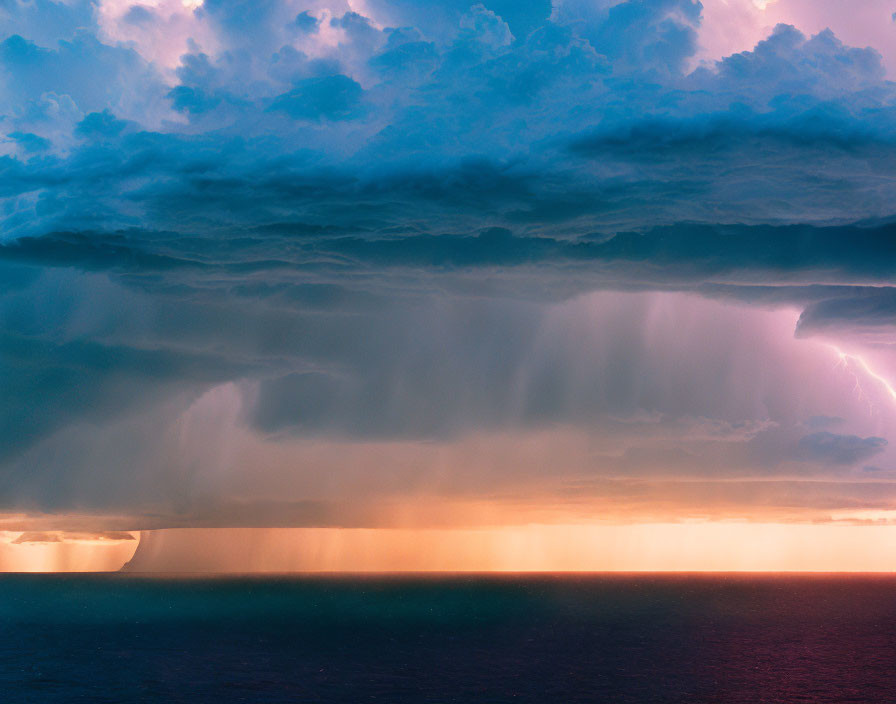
{"points": [[514, 638]]}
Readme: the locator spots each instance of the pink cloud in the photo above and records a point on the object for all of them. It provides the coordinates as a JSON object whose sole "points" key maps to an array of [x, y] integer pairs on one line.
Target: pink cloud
{"points": [[731, 26]]}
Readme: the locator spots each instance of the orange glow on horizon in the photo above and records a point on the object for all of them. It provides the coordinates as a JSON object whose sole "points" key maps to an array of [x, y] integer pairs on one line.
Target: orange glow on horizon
{"points": [[64, 552], [698, 546], [711, 546]]}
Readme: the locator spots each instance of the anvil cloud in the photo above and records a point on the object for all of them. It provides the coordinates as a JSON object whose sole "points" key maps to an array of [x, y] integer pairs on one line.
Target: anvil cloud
{"points": [[322, 263]]}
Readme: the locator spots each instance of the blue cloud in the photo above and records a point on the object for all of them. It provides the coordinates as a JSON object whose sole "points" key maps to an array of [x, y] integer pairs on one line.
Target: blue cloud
{"points": [[30, 142], [100, 125], [95, 75], [640, 36], [871, 307], [326, 97], [548, 105], [306, 22], [840, 449]]}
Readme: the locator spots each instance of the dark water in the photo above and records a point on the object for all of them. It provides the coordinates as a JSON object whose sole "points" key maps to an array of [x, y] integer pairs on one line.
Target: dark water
{"points": [[519, 638]]}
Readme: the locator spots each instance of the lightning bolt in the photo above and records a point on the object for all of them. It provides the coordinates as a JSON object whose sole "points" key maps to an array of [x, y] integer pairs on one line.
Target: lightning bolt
{"points": [[848, 360]]}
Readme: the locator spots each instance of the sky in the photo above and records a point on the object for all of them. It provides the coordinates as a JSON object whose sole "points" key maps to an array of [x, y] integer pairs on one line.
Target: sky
{"points": [[376, 281]]}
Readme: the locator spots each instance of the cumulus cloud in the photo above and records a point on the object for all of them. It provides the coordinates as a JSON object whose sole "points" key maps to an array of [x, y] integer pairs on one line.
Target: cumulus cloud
{"points": [[475, 100]]}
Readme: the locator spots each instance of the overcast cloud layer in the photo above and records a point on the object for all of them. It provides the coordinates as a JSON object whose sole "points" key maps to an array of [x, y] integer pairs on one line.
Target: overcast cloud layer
{"points": [[312, 263]]}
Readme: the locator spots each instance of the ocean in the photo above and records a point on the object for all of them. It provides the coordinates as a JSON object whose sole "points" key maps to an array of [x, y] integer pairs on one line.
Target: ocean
{"points": [[448, 638]]}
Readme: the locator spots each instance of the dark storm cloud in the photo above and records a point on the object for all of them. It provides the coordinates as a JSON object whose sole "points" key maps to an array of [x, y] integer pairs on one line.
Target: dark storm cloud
{"points": [[840, 449], [370, 229], [322, 98], [509, 126], [50, 384], [864, 309], [691, 253]]}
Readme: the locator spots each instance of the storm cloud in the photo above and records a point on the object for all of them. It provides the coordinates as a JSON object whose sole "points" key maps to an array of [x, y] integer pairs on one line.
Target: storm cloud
{"points": [[295, 252]]}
